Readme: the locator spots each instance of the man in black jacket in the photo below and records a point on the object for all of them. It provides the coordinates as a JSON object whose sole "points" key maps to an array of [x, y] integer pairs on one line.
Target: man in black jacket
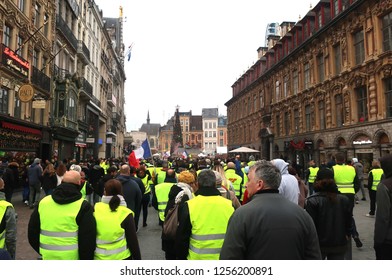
{"points": [[44, 219]]}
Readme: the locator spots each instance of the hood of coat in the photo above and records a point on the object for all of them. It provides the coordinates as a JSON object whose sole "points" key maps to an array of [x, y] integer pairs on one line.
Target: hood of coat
{"points": [[281, 165], [66, 193]]}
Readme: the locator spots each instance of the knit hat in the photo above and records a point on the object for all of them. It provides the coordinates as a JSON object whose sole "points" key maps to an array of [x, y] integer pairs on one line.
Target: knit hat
{"points": [[218, 178], [355, 160], [324, 173], [37, 160]]}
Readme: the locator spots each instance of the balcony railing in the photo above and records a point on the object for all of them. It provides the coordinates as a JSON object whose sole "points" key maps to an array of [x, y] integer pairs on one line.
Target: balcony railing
{"points": [[60, 73], [86, 90], [83, 52], [67, 32], [39, 79], [116, 117]]}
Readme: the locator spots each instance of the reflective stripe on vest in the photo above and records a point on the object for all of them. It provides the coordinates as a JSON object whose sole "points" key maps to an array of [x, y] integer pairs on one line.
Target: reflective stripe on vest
{"points": [[162, 193], [312, 174], [3, 208], [344, 178], [377, 174], [235, 179], [111, 241], [209, 216], [59, 230]]}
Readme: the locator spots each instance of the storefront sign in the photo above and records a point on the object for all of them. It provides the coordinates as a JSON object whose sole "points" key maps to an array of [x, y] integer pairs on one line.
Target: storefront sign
{"points": [[90, 140], [14, 62], [39, 104], [26, 93]]}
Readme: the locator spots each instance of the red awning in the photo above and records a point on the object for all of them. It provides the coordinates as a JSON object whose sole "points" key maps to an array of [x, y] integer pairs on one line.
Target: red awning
{"points": [[21, 128]]}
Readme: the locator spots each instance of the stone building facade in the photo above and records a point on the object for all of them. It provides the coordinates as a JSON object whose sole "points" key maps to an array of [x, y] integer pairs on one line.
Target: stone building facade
{"points": [[323, 86]]}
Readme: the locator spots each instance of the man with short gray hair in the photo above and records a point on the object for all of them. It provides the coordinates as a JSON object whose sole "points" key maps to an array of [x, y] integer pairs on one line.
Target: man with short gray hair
{"points": [[269, 226]]}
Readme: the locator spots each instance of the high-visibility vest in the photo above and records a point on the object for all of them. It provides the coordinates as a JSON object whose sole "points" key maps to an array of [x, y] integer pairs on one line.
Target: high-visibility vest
{"points": [[59, 230], [312, 174], [83, 190], [146, 184], [243, 186], [105, 166], [377, 174], [111, 241], [161, 176], [209, 216], [3, 208], [236, 180], [162, 193], [344, 178]]}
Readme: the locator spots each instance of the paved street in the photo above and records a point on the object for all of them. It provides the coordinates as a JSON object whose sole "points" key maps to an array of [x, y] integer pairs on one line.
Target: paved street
{"points": [[150, 241]]}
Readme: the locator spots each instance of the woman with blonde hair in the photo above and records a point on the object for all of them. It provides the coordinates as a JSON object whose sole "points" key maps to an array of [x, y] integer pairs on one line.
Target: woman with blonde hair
{"points": [[225, 182]]}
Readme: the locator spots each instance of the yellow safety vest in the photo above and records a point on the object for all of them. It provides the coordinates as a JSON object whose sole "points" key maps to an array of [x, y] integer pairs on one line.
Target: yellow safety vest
{"points": [[146, 184], [162, 193], [209, 216], [344, 178], [83, 190], [111, 241], [312, 174], [105, 166], [3, 208], [59, 230], [235, 179], [377, 174], [161, 176], [243, 186]]}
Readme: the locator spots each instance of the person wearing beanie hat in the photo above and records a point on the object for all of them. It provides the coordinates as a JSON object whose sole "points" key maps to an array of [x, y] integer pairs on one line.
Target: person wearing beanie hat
{"points": [[331, 214], [7, 225]]}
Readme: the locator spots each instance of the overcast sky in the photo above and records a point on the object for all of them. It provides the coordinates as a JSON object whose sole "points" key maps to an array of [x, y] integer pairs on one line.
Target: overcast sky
{"points": [[190, 53]]}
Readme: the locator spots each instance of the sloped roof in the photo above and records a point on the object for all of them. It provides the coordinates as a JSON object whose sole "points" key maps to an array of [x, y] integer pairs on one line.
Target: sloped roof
{"points": [[150, 128], [209, 112]]}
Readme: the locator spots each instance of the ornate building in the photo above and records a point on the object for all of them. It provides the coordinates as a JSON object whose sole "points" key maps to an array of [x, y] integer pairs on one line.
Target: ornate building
{"points": [[325, 85]]}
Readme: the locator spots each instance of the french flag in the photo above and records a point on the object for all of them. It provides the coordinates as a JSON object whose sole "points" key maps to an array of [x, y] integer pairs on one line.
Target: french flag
{"points": [[144, 151]]}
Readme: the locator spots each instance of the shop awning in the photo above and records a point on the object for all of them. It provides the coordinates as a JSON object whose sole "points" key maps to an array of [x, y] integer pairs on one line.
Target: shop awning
{"points": [[21, 128]]}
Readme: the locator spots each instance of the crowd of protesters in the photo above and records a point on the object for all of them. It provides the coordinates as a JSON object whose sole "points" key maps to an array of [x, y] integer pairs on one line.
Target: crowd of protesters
{"points": [[232, 208]]}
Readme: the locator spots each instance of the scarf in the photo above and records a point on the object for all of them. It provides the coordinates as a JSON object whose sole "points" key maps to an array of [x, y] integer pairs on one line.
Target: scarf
{"points": [[186, 189]]}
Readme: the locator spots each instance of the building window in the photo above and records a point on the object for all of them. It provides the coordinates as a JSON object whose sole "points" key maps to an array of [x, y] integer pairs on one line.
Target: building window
{"points": [[295, 82], [277, 91], [19, 46], [285, 86], [306, 75], [221, 133], [72, 109], [254, 103], [4, 96], [388, 97], [277, 125], [337, 57], [214, 134], [321, 109], [359, 47], [362, 104], [336, 7], [308, 117], [339, 110], [35, 58], [21, 5], [320, 20], [37, 20], [287, 123], [296, 121], [206, 134], [320, 68], [7, 35], [261, 99], [17, 108], [46, 27], [387, 32], [221, 142]]}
